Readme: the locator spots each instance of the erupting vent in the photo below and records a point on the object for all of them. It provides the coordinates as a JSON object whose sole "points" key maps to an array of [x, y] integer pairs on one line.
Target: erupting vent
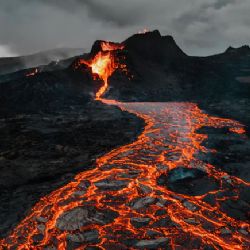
{"points": [[32, 73], [104, 64], [109, 46]]}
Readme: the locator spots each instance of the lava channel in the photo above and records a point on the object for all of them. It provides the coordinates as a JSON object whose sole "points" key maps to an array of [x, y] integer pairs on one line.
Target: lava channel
{"points": [[120, 201]]}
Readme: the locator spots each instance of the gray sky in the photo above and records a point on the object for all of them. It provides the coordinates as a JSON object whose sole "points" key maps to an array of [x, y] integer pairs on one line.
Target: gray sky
{"points": [[200, 27]]}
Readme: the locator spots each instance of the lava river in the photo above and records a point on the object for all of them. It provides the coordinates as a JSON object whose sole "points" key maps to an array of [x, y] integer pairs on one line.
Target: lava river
{"points": [[119, 204]]}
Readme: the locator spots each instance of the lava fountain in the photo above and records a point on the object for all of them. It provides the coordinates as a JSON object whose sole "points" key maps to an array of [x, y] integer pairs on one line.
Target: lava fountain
{"points": [[33, 72], [104, 64]]}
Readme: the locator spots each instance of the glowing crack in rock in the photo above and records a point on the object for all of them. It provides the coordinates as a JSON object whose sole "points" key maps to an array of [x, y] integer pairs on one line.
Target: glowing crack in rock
{"points": [[32, 73]]}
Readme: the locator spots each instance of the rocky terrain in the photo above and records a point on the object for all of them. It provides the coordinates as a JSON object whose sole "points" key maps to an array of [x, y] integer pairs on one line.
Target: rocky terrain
{"points": [[160, 191], [40, 152]]}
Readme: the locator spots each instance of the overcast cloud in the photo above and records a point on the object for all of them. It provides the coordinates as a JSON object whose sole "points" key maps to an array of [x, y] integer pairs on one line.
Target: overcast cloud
{"points": [[200, 27]]}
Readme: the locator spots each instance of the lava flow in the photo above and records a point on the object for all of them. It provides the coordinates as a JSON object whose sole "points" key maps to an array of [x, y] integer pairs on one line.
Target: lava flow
{"points": [[120, 204], [104, 64], [33, 72]]}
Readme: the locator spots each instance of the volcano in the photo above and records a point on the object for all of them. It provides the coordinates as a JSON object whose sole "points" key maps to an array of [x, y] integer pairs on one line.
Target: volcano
{"points": [[135, 145]]}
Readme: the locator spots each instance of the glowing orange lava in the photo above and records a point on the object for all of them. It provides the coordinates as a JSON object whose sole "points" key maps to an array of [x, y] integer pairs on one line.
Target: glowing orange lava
{"points": [[32, 73], [104, 64], [109, 46]]}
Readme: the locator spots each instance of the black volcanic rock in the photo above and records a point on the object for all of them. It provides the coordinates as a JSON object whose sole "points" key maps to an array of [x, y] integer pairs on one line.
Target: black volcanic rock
{"points": [[96, 47], [190, 181], [241, 50], [46, 92], [154, 47], [81, 216], [42, 152]]}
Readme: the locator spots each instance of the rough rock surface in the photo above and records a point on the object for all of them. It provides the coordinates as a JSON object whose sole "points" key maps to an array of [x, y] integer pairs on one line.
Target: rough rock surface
{"points": [[189, 181], [41, 152], [82, 216], [153, 244]]}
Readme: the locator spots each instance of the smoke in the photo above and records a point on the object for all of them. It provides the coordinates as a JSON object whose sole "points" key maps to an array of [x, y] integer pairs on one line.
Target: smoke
{"points": [[199, 27], [5, 51]]}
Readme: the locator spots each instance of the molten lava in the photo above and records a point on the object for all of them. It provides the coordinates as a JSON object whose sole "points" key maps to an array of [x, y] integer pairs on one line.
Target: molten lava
{"points": [[104, 64], [109, 46], [32, 73]]}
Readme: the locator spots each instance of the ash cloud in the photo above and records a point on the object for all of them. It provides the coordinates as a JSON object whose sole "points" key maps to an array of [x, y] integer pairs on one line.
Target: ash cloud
{"points": [[199, 27], [6, 51]]}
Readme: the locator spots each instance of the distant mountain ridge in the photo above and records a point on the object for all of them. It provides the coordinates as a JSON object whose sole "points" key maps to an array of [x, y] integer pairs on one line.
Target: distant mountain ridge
{"points": [[12, 64]]}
